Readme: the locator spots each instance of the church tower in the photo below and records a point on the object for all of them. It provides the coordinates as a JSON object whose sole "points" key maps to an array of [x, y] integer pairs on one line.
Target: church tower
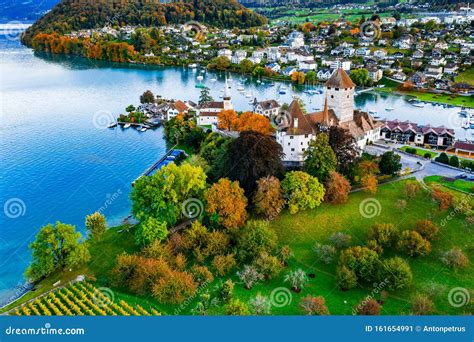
{"points": [[226, 97], [340, 95]]}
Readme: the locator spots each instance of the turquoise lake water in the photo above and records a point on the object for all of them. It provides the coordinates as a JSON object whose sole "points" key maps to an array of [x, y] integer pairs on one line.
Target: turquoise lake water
{"points": [[59, 163]]}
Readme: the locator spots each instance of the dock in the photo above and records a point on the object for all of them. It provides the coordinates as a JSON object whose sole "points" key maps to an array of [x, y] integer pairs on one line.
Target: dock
{"points": [[170, 156]]}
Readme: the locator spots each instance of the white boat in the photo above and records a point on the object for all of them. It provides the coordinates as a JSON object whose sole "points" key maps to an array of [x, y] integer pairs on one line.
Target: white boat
{"points": [[258, 81], [126, 125], [200, 78], [389, 109], [463, 113], [240, 88], [193, 66], [283, 87], [419, 105], [249, 95], [213, 79], [143, 129]]}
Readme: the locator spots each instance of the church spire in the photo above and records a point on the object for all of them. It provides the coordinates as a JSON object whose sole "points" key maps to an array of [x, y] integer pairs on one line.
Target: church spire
{"points": [[226, 90], [326, 112]]}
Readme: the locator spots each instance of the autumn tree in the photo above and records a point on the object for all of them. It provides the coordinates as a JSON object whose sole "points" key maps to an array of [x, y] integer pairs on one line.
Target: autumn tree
{"points": [[226, 203], [269, 199], [444, 198], [366, 175], [147, 97], [96, 225], [314, 305], [302, 191], [337, 188], [252, 156], [368, 307], [227, 120], [249, 121], [320, 159], [413, 244]]}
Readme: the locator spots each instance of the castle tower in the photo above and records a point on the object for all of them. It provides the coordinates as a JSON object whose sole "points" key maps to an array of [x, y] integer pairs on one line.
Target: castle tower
{"points": [[226, 97], [340, 95]]}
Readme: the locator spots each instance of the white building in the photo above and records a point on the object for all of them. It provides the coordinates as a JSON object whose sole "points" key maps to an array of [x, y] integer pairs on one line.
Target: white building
{"points": [[208, 112], [295, 40], [269, 108]]}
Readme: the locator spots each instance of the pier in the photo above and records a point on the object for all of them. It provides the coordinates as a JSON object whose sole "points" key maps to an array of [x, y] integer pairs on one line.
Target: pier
{"points": [[172, 156]]}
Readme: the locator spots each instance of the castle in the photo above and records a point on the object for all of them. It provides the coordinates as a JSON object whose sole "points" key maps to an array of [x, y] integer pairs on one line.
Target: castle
{"points": [[338, 111], [208, 112]]}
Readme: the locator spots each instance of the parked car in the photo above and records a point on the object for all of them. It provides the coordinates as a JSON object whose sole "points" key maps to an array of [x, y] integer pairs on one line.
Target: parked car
{"points": [[461, 176]]}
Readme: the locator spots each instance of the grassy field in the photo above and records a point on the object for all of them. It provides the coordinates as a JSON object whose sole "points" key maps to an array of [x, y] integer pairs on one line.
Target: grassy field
{"points": [[301, 232], [459, 184], [421, 152], [466, 76]]}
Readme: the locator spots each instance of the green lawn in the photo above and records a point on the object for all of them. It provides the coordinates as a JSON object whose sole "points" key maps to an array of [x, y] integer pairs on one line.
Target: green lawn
{"points": [[459, 184], [301, 232], [466, 76], [421, 152]]}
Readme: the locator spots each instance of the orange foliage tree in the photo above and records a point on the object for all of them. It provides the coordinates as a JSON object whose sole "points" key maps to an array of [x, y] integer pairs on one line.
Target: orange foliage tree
{"points": [[366, 171], [337, 188], [249, 121], [227, 203], [227, 120]]}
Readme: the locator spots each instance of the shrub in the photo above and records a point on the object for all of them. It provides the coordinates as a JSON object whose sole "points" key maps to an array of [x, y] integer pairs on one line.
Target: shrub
{"points": [[374, 245], [297, 279], [314, 305], [325, 253], [337, 188], [362, 260], [422, 305], [412, 188], [174, 287], [96, 225], [217, 243], [285, 254], [385, 234], [340, 240], [397, 273], [195, 237], [454, 161], [201, 275], [455, 258], [268, 265], [413, 244], [346, 278], [401, 205], [236, 308], [260, 305], [224, 263], [427, 229], [427, 155], [256, 237], [443, 158], [249, 275], [226, 290], [445, 199], [368, 307]]}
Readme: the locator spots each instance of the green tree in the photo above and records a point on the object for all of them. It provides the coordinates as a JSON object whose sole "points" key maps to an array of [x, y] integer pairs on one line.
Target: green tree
{"points": [[237, 308], [443, 158], [413, 244], [56, 247], [205, 96], [246, 66], [390, 163], [360, 77], [396, 273], [362, 260], [454, 161], [96, 225], [220, 63], [130, 108], [311, 77], [302, 190], [151, 230], [255, 238], [163, 195], [320, 159]]}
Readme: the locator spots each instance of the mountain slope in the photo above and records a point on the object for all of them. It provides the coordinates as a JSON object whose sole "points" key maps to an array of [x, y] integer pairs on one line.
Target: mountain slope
{"points": [[71, 15], [24, 9]]}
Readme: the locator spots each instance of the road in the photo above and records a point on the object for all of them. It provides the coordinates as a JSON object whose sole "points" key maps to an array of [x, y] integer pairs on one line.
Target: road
{"points": [[428, 168]]}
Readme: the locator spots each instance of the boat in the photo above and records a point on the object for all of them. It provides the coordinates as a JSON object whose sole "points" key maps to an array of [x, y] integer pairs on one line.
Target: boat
{"points": [[372, 112], [200, 78], [419, 105], [465, 124], [112, 125], [282, 92], [200, 85], [283, 87], [193, 66], [389, 109], [240, 88], [249, 95], [126, 125], [463, 113], [258, 81], [213, 79]]}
